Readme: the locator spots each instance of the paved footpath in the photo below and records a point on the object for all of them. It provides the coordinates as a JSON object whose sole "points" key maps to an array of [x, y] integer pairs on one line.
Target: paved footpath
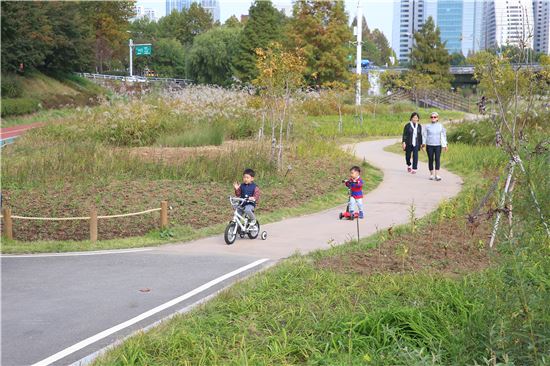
{"points": [[60, 309]]}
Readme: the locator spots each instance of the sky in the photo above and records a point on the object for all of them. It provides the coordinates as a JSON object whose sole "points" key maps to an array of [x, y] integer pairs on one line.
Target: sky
{"points": [[379, 13]]}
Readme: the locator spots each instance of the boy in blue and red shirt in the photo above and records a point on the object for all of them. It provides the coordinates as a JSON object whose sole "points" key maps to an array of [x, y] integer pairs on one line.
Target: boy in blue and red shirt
{"points": [[355, 184], [248, 189]]}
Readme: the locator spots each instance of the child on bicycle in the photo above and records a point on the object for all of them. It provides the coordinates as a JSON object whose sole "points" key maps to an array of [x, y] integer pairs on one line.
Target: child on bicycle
{"points": [[248, 189], [355, 184]]}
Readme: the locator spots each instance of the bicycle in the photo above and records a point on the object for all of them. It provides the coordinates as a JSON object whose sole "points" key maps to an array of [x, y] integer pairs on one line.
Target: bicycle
{"points": [[239, 225]]}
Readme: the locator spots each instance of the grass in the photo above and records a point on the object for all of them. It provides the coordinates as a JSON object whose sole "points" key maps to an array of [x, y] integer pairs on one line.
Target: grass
{"points": [[380, 124], [195, 137], [301, 313], [179, 233], [42, 116]]}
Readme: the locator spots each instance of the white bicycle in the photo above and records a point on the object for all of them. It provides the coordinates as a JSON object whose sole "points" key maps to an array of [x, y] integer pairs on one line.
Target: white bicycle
{"points": [[239, 225]]}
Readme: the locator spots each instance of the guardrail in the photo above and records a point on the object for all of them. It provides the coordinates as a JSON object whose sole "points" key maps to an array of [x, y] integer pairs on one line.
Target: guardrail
{"points": [[133, 78], [7, 219]]}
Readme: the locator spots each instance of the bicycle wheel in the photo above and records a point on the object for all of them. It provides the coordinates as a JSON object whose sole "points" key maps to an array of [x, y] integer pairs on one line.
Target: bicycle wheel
{"points": [[253, 231], [230, 233]]}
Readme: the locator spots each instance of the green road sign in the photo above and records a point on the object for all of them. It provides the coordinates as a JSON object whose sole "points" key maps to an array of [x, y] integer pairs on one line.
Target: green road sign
{"points": [[143, 50]]}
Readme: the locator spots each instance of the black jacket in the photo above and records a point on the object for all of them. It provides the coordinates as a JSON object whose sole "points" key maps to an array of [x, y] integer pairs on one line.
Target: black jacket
{"points": [[408, 135]]}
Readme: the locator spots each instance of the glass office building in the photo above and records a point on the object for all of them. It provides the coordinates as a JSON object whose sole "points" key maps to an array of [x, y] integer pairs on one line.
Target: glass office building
{"points": [[449, 21]]}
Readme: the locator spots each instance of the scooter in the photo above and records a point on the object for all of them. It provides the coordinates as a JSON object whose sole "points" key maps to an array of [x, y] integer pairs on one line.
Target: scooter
{"points": [[347, 215]]}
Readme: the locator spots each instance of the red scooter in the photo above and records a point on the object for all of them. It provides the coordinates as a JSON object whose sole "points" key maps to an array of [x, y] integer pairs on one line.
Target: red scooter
{"points": [[347, 215]]}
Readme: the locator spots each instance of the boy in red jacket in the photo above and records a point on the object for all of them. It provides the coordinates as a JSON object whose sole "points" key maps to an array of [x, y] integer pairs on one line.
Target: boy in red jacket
{"points": [[355, 184]]}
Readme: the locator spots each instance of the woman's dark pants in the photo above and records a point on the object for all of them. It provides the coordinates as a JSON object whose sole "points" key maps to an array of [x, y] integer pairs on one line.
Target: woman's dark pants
{"points": [[434, 153], [414, 151]]}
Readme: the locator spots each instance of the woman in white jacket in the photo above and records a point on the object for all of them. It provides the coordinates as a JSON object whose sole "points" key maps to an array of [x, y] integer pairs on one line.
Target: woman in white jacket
{"points": [[434, 137]]}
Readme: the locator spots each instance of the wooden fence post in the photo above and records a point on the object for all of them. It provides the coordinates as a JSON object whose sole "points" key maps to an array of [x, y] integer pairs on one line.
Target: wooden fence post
{"points": [[163, 214], [8, 227], [93, 224]]}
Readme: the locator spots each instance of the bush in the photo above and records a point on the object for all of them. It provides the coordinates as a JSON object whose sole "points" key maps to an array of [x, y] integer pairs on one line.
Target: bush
{"points": [[17, 106], [11, 86]]}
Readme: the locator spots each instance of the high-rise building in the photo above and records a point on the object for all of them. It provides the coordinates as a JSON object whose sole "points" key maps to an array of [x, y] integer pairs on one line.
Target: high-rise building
{"points": [[212, 6], [541, 13], [408, 19], [175, 5], [512, 21], [143, 12]]}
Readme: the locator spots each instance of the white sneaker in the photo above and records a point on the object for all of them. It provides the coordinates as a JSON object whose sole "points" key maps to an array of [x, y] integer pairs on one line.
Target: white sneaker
{"points": [[432, 177], [437, 177]]}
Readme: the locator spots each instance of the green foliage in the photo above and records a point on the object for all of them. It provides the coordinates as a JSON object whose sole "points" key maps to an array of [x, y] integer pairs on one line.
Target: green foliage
{"points": [[458, 59], [18, 106], [11, 86], [185, 25], [233, 22], [472, 133], [430, 57], [168, 58], [60, 35], [320, 29], [210, 58], [51, 35], [109, 21], [376, 47], [264, 25]]}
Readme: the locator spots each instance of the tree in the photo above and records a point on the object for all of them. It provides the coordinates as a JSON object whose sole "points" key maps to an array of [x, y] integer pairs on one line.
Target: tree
{"points": [[210, 58], [280, 75], [320, 29], [233, 22], [185, 25], [383, 46], [144, 30], [46, 35], [168, 58], [109, 21], [376, 47], [430, 57], [458, 59], [264, 25], [514, 90]]}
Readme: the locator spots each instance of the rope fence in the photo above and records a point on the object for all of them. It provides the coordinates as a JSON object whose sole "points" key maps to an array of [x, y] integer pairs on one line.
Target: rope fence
{"points": [[7, 219]]}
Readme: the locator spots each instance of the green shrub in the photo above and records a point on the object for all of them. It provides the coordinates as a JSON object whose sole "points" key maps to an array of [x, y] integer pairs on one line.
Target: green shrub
{"points": [[11, 86], [17, 106]]}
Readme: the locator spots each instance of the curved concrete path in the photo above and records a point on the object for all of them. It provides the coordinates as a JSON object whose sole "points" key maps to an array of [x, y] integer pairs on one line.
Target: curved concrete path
{"points": [[386, 206], [59, 309]]}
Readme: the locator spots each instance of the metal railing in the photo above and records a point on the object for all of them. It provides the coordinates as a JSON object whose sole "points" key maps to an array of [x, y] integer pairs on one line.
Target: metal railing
{"points": [[134, 78]]}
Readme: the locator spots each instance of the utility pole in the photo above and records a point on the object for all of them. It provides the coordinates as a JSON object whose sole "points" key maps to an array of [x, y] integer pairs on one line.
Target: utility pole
{"points": [[131, 44], [358, 56]]}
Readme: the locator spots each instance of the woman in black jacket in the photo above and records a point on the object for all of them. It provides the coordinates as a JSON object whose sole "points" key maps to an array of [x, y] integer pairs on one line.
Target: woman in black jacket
{"points": [[412, 141]]}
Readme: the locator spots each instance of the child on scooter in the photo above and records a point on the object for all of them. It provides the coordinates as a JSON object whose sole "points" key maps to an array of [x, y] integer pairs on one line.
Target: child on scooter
{"points": [[355, 184], [248, 189]]}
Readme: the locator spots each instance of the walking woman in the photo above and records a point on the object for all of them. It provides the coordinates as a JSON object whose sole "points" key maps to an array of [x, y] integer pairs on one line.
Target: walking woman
{"points": [[434, 137], [412, 140]]}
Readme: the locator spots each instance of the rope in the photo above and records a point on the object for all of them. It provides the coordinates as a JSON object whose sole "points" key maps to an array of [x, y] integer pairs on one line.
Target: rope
{"points": [[82, 217]]}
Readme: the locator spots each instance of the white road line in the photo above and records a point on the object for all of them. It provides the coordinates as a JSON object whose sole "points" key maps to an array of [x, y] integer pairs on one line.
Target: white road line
{"points": [[86, 342], [74, 254]]}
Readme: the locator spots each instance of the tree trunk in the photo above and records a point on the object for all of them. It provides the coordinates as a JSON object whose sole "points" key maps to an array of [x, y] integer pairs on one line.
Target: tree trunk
{"points": [[501, 204]]}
